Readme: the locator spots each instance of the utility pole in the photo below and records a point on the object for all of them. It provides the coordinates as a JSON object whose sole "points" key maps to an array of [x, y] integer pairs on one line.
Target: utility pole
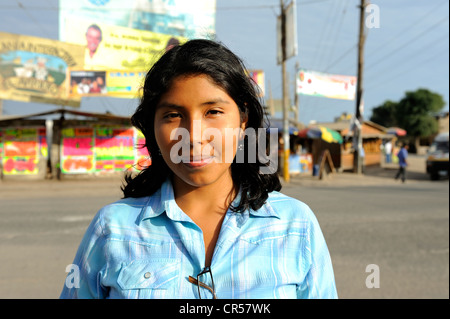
{"points": [[285, 99], [296, 97], [357, 133]]}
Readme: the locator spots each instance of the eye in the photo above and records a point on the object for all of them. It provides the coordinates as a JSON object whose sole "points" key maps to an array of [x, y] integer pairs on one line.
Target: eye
{"points": [[171, 115], [214, 112]]}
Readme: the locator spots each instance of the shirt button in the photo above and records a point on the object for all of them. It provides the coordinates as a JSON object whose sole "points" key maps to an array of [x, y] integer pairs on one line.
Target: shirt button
{"points": [[147, 275]]}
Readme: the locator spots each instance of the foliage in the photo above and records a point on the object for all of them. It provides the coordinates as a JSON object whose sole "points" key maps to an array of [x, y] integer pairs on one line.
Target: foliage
{"points": [[385, 114], [415, 113]]}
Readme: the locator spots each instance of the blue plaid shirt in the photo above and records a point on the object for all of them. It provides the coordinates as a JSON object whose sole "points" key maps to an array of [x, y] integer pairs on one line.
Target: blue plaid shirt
{"points": [[148, 247]]}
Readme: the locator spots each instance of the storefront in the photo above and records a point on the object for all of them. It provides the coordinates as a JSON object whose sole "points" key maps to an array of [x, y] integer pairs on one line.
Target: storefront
{"points": [[82, 144]]}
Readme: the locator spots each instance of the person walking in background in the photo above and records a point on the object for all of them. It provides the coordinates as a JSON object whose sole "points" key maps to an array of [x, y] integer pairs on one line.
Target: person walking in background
{"points": [[402, 162], [388, 151]]}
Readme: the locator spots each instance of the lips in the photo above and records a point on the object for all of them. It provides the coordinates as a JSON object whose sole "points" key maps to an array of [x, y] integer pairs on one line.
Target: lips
{"points": [[197, 162]]}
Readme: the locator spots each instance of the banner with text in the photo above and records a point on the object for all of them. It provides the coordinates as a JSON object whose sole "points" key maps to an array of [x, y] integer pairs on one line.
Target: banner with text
{"points": [[102, 150], [34, 69], [21, 149], [326, 85], [180, 18], [109, 47], [118, 83], [258, 77]]}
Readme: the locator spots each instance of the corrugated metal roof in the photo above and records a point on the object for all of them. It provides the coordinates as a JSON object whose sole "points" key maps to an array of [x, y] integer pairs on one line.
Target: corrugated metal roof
{"points": [[64, 111]]}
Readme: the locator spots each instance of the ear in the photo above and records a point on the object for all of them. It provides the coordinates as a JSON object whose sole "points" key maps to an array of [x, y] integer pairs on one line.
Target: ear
{"points": [[244, 119]]}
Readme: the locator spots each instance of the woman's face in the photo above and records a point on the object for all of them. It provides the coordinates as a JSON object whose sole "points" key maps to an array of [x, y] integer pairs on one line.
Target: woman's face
{"points": [[196, 125]]}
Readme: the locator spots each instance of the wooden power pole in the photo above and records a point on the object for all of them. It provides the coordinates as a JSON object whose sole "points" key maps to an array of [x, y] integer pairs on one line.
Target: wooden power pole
{"points": [[285, 99], [357, 160]]}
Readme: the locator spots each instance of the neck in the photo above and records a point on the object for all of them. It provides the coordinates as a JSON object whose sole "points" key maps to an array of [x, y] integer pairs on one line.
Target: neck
{"points": [[215, 197]]}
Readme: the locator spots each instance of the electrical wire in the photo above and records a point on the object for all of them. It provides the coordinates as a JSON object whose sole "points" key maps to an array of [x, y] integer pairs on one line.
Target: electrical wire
{"points": [[413, 54], [333, 46], [321, 40], [30, 16], [407, 70], [383, 45], [403, 45], [408, 28], [329, 35]]}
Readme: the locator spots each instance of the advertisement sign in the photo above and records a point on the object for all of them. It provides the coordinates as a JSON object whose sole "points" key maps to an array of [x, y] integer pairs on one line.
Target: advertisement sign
{"points": [[118, 83], [109, 47], [258, 77], [326, 85], [143, 158], [20, 154], [35, 69], [102, 150], [114, 149], [77, 150], [180, 18]]}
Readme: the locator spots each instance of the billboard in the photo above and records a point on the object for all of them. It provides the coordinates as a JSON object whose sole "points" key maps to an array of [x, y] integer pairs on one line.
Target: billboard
{"points": [[258, 77], [87, 150], [189, 19], [117, 83], [326, 85], [110, 47], [21, 150], [34, 69], [114, 149], [77, 150]]}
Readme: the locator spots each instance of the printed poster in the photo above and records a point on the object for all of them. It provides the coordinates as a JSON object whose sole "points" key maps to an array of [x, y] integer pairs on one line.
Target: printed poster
{"points": [[180, 18], [20, 154], [110, 47], [34, 69], [118, 83], [258, 77], [114, 149], [87, 150], [326, 85], [77, 150]]}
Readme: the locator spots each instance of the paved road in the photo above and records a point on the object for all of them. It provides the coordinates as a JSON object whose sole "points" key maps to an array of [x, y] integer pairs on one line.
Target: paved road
{"points": [[403, 229]]}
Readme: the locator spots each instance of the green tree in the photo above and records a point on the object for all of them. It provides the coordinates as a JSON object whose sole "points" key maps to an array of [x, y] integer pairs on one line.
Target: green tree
{"points": [[385, 114], [415, 113]]}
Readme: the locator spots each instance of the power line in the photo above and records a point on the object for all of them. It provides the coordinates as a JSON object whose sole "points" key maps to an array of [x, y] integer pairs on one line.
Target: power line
{"points": [[432, 58], [21, 6], [350, 50], [416, 53], [50, 7], [402, 33], [407, 43], [321, 37], [333, 46]]}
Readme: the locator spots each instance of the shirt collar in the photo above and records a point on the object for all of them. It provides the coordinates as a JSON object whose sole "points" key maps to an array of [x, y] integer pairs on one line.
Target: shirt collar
{"points": [[163, 200]]}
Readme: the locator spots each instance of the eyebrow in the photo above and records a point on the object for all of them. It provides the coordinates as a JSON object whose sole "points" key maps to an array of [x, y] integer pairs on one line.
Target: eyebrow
{"points": [[176, 106]]}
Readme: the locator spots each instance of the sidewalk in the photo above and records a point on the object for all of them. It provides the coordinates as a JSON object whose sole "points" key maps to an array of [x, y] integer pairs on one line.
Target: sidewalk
{"points": [[373, 175], [90, 187]]}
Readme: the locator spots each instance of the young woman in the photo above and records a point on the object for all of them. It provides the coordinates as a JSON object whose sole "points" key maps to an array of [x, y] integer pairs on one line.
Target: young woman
{"points": [[198, 223]]}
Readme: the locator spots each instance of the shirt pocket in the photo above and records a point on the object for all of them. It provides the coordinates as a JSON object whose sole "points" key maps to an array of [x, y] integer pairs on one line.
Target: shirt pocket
{"points": [[285, 258], [149, 278]]}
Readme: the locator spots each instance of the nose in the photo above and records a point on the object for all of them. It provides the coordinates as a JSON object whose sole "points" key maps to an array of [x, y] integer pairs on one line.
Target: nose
{"points": [[194, 126]]}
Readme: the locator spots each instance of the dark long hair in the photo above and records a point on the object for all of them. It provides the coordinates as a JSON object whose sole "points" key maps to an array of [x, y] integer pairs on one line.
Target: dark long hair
{"points": [[201, 57]]}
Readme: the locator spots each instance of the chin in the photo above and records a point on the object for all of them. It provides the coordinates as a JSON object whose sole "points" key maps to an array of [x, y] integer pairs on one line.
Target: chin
{"points": [[203, 177]]}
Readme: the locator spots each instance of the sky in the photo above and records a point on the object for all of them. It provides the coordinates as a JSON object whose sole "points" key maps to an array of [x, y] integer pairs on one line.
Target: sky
{"points": [[408, 50]]}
